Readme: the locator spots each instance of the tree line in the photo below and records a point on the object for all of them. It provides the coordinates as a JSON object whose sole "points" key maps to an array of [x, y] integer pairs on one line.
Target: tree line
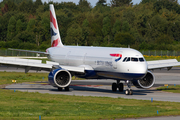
{"points": [[149, 25]]}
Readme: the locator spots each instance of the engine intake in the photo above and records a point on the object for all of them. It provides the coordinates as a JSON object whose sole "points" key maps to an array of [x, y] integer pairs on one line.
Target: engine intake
{"points": [[146, 82], [59, 78]]}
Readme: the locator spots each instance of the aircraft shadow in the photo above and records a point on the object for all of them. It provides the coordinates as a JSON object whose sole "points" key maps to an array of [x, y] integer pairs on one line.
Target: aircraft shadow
{"points": [[97, 90], [87, 89]]}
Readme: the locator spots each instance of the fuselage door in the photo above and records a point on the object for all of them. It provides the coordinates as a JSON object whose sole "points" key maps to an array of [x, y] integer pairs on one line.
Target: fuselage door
{"points": [[67, 58], [84, 58], [114, 63]]}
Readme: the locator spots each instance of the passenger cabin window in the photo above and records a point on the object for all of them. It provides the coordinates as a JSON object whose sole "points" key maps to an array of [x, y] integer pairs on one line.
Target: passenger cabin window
{"points": [[141, 59], [134, 59], [128, 59], [124, 59]]}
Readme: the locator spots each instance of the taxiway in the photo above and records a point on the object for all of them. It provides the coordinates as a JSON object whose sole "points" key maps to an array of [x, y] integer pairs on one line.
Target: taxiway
{"points": [[102, 88]]}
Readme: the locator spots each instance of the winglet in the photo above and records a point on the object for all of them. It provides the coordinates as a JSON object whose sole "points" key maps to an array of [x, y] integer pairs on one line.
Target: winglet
{"points": [[55, 35]]}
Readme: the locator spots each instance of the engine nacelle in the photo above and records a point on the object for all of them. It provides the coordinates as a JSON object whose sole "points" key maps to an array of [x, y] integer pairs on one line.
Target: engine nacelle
{"points": [[59, 78], [146, 82]]}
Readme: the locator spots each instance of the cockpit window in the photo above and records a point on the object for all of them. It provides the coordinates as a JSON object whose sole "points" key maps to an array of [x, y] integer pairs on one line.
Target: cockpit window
{"points": [[134, 59], [128, 59], [141, 59], [124, 59]]}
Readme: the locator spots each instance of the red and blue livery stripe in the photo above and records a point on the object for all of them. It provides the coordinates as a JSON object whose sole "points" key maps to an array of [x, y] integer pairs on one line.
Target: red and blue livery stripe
{"points": [[116, 55], [53, 33]]}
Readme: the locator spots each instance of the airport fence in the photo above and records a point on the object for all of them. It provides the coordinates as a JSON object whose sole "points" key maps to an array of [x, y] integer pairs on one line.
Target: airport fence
{"points": [[7, 52], [160, 53]]}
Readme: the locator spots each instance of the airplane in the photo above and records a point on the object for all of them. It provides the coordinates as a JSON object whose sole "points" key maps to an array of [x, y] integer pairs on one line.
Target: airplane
{"points": [[118, 64]]}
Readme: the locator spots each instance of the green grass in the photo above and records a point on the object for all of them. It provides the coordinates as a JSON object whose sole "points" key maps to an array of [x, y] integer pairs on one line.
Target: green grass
{"points": [[20, 77], [24, 105], [7, 77], [173, 89]]}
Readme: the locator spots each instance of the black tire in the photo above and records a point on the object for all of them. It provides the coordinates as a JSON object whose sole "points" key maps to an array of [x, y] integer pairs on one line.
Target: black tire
{"points": [[127, 92], [121, 87], [114, 87], [59, 89], [130, 92], [67, 88]]}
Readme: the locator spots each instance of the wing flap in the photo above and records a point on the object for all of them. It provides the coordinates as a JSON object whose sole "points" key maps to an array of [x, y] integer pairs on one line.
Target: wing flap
{"points": [[157, 64]]}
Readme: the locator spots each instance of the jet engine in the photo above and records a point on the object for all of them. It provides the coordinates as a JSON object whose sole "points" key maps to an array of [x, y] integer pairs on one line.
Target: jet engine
{"points": [[146, 82], [59, 78]]}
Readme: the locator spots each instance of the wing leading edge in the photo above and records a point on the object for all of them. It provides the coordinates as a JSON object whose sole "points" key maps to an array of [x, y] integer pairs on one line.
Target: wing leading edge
{"points": [[37, 65], [158, 64], [30, 51]]}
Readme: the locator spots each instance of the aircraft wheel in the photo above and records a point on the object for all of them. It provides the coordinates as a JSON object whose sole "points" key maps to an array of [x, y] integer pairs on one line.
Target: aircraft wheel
{"points": [[127, 92], [121, 87], [67, 88], [114, 87], [59, 89], [130, 92]]}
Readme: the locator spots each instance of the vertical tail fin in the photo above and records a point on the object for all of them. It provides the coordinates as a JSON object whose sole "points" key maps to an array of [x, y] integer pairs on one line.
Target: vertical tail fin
{"points": [[55, 35]]}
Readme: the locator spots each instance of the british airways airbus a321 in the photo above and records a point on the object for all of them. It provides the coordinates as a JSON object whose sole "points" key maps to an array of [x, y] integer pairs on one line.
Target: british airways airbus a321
{"points": [[118, 64]]}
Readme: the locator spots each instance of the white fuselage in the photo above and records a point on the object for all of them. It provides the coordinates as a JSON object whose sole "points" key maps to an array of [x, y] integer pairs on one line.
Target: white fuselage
{"points": [[105, 61]]}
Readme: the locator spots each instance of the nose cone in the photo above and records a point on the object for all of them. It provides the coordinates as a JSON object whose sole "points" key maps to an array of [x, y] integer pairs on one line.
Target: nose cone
{"points": [[136, 71], [140, 70]]}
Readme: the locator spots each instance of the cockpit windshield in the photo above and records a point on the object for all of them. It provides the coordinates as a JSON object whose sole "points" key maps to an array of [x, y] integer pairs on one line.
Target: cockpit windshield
{"points": [[128, 59], [124, 59], [141, 59], [133, 59]]}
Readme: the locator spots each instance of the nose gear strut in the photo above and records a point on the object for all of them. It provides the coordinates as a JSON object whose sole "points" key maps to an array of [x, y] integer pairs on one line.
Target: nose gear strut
{"points": [[129, 90]]}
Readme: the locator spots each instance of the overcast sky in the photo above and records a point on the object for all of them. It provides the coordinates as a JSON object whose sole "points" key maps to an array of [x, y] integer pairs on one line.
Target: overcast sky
{"points": [[93, 2]]}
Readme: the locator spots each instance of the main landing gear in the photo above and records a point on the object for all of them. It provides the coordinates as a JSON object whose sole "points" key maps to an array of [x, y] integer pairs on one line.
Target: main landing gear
{"points": [[120, 86]]}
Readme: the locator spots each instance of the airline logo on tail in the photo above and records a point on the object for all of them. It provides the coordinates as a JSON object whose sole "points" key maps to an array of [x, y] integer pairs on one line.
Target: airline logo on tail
{"points": [[55, 35], [53, 20]]}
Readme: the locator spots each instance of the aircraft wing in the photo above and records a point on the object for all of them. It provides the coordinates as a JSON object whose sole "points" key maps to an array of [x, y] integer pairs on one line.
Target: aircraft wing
{"points": [[39, 52], [158, 64], [29, 64]]}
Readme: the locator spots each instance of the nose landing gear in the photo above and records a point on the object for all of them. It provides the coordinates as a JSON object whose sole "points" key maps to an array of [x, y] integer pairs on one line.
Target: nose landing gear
{"points": [[128, 91]]}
